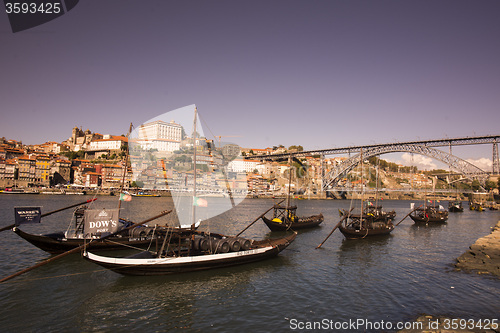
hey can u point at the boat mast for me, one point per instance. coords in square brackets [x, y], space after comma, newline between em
[289, 187]
[362, 190]
[194, 171]
[125, 167]
[376, 184]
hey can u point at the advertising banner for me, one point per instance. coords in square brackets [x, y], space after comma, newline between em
[101, 221]
[24, 215]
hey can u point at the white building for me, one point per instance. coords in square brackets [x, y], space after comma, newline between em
[160, 135]
[160, 144]
[108, 142]
[240, 165]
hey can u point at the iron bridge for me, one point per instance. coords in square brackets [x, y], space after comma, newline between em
[467, 169]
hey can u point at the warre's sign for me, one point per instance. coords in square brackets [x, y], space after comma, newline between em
[23, 215]
[101, 221]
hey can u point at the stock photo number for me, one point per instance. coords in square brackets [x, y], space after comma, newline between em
[33, 7]
[28, 14]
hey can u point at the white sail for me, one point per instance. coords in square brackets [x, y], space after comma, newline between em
[162, 150]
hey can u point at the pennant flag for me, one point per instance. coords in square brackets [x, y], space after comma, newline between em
[125, 197]
[200, 202]
[25, 215]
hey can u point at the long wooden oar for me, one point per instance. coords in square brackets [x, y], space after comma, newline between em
[258, 218]
[76, 249]
[408, 215]
[52, 212]
[335, 228]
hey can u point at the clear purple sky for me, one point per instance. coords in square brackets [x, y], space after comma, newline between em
[317, 73]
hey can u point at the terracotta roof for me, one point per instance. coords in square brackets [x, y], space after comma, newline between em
[42, 157]
[25, 157]
[113, 138]
[111, 166]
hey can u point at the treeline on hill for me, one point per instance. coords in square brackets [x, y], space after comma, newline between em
[390, 166]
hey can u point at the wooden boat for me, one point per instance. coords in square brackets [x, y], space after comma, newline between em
[56, 243]
[285, 218]
[455, 206]
[196, 251]
[372, 221]
[357, 226]
[477, 206]
[60, 242]
[429, 214]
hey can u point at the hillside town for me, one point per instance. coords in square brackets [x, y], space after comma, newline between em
[159, 155]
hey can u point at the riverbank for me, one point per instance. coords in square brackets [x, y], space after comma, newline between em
[484, 255]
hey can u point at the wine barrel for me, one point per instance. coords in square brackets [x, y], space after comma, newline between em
[218, 245]
[234, 244]
[245, 244]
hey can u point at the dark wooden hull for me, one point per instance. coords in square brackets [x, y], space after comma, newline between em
[353, 233]
[455, 206]
[56, 243]
[302, 223]
[260, 250]
[375, 217]
[429, 219]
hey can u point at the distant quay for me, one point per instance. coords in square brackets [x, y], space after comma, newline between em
[319, 196]
[368, 196]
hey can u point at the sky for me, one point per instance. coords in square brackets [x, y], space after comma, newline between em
[320, 74]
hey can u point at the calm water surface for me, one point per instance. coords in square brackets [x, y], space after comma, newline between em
[393, 278]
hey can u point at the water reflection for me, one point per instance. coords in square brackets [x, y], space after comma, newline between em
[170, 302]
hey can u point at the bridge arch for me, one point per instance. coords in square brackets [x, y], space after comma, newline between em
[468, 169]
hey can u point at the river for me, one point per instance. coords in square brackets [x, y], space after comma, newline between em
[394, 278]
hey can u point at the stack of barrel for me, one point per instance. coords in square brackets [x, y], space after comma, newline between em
[221, 245]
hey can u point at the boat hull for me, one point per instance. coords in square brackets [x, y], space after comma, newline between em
[352, 233]
[302, 223]
[456, 209]
[455, 206]
[429, 215]
[423, 219]
[171, 265]
[57, 243]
